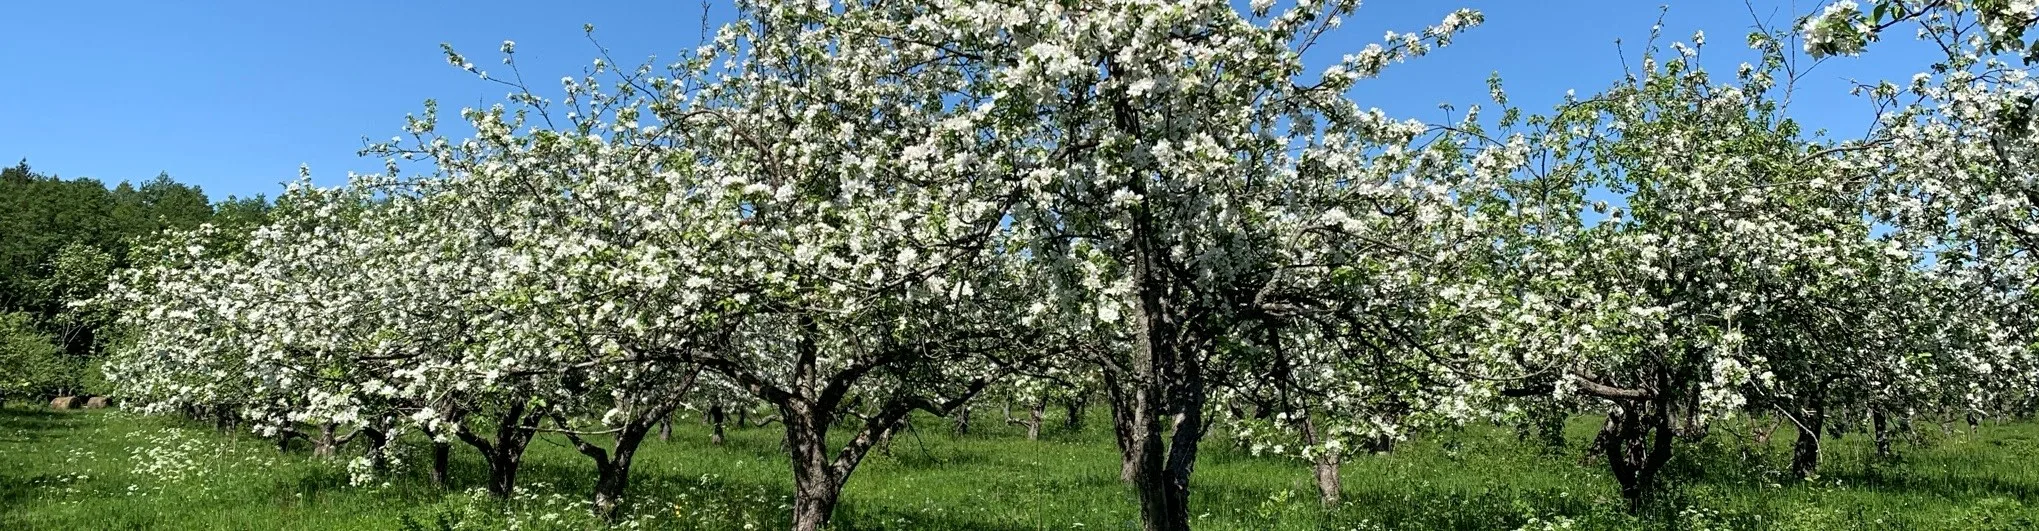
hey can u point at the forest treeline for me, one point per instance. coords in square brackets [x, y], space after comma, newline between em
[60, 241]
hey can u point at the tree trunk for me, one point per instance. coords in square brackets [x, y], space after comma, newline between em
[328, 442]
[612, 468]
[1034, 417]
[1882, 428]
[1122, 426]
[378, 448]
[505, 454]
[1325, 463]
[611, 480]
[1164, 471]
[962, 421]
[716, 418]
[1165, 458]
[283, 438]
[816, 482]
[1327, 478]
[1072, 417]
[442, 456]
[1805, 452]
[665, 429]
[1035, 411]
[222, 419]
[1637, 444]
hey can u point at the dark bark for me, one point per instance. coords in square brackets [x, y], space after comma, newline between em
[1122, 426]
[716, 418]
[612, 465]
[612, 468]
[1637, 442]
[223, 418]
[504, 454]
[818, 477]
[1805, 452]
[1072, 411]
[442, 457]
[1380, 444]
[378, 447]
[1167, 428]
[810, 400]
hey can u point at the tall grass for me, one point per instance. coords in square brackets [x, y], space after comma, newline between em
[111, 470]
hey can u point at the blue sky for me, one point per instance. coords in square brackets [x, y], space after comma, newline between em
[234, 95]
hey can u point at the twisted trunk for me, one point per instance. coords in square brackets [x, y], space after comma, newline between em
[1163, 456]
[1636, 444]
[505, 453]
[612, 465]
[612, 469]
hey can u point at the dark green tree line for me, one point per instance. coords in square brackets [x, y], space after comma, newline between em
[59, 241]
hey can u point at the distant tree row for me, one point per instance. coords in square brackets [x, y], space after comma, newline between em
[60, 240]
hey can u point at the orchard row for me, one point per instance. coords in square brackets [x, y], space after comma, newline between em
[857, 212]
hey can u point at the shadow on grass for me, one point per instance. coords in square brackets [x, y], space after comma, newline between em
[28, 425]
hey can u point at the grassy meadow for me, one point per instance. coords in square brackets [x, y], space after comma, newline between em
[114, 470]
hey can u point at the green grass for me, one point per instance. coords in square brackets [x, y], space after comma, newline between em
[110, 470]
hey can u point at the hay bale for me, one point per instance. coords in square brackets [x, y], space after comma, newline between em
[97, 402]
[67, 402]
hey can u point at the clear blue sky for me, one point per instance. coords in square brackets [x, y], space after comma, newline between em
[234, 95]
